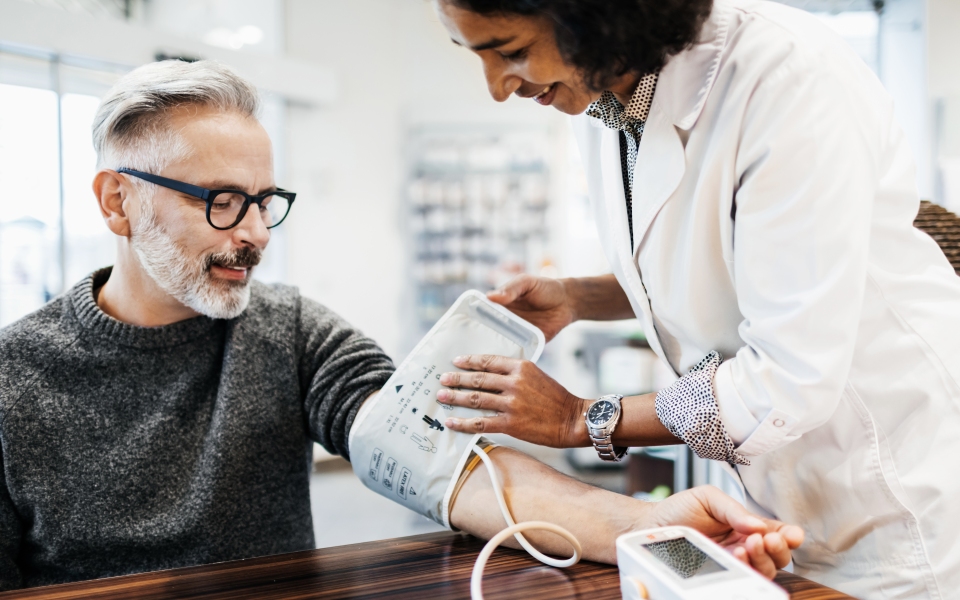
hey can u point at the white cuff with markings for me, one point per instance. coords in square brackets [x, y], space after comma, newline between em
[399, 446]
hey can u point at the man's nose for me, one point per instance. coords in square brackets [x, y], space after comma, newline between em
[500, 82]
[251, 230]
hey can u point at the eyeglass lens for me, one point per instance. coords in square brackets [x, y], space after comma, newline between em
[225, 209]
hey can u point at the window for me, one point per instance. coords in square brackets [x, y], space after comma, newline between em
[30, 200]
[51, 234]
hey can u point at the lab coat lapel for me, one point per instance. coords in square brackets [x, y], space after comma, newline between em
[660, 167]
[682, 90]
[615, 209]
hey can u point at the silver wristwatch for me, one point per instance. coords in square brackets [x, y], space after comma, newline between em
[602, 417]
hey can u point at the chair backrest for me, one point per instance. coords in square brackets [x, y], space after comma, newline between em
[944, 227]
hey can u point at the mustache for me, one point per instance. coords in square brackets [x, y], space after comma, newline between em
[244, 258]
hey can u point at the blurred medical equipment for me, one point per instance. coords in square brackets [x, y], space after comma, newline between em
[679, 563]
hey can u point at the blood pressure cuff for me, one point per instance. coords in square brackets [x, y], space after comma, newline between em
[399, 446]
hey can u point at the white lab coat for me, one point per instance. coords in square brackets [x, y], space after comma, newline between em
[773, 203]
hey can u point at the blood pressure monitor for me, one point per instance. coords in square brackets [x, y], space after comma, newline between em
[678, 563]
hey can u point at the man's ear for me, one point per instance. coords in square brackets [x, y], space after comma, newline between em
[112, 193]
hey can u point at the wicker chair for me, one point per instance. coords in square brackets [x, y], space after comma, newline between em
[944, 227]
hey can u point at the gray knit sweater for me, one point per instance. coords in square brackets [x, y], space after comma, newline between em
[128, 449]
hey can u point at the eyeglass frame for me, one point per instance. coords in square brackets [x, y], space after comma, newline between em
[208, 196]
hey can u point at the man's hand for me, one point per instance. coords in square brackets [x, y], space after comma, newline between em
[540, 300]
[529, 404]
[535, 492]
[764, 544]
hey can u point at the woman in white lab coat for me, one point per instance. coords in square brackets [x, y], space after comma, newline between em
[766, 246]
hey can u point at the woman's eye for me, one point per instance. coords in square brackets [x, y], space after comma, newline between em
[517, 55]
[221, 205]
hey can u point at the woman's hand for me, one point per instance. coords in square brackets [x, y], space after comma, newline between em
[544, 302]
[764, 544]
[530, 405]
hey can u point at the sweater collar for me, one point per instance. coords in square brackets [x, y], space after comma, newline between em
[98, 323]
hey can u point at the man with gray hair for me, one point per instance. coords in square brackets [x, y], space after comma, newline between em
[161, 413]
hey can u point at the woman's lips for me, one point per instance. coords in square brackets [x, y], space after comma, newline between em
[545, 97]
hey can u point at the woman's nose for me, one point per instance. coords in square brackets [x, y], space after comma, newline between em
[500, 82]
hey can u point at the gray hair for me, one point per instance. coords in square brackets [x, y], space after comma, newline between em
[129, 130]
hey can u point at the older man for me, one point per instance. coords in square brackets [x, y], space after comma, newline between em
[161, 413]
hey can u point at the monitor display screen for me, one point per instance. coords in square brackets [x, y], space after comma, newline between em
[684, 559]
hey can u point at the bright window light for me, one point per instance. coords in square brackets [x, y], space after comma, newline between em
[90, 245]
[30, 202]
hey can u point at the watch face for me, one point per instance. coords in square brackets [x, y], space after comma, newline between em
[601, 412]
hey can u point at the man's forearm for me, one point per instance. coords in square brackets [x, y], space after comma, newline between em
[598, 298]
[535, 492]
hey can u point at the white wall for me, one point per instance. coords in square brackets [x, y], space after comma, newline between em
[943, 49]
[903, 71]
[396, 67]
[943, 44]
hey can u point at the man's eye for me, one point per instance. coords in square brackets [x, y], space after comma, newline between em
[221, 205]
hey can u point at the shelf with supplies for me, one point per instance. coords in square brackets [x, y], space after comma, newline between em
[476, 211]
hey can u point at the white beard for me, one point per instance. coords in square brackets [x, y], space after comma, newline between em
[184, 277]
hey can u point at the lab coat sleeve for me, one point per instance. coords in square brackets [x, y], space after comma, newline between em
[339, 368]
[689, 410]
[807, 175]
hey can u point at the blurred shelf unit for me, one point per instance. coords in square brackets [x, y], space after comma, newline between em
[475, 212]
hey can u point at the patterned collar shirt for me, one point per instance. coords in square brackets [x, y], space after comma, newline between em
[630, 122]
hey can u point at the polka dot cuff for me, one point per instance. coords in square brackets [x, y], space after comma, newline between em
[689, 410]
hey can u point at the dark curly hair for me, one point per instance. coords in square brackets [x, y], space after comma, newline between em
[607, 39]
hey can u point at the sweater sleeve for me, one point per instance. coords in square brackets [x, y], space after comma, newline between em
[11, 533]
[339, 368]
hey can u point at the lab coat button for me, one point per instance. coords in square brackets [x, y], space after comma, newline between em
[778, 422]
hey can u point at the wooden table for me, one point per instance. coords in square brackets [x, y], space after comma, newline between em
[435, 566]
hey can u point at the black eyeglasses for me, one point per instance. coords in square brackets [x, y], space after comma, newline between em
[226, 208]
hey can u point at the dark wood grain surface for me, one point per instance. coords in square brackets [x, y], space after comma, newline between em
[435, 566]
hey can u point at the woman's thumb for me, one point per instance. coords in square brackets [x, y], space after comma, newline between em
[513, 289]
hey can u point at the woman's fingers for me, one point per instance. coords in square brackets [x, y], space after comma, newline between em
[493, 424]
[477, 380]
[472, 399]
[490, 363]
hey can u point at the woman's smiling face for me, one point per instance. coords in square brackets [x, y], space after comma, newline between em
[520, 56]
